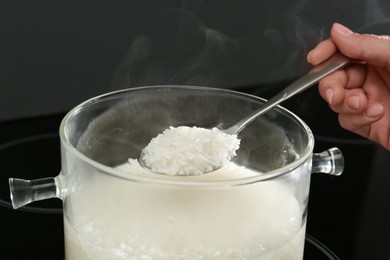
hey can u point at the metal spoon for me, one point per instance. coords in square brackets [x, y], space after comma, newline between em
[317, 73]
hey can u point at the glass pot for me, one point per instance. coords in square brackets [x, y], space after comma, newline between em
[253, 208]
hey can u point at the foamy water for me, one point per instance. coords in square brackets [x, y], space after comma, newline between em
[128, 220]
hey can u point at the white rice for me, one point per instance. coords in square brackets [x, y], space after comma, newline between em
[189, 151]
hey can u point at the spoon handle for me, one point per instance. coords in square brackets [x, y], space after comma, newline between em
[318, 72]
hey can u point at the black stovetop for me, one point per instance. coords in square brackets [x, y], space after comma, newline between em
[348, 215]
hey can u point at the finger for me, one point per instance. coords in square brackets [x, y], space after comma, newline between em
[385, 75]
[375, 86]
[360, 123]
[341, 99]
[355, 76]
[372, 49]
[351, 77]
[321, 52]
[332, 90]
[353, 102]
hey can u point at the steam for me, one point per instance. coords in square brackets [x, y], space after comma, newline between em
[132, 64]
[213, 54]
[293, 44]
[244, 44]
[193, 56]
[377, 13]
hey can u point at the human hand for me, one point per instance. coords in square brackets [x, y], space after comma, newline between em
[360, 93]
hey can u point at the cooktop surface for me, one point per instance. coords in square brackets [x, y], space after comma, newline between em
[348, 215]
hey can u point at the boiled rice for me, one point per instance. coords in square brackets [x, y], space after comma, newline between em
[189, 151]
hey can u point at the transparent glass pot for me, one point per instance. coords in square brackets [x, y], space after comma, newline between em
[254, 208]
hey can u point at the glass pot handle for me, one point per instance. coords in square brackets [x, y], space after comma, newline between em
[23, 192]
[330, 162]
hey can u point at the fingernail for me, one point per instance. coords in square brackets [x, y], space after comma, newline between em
[375, 110]
[329, 95]
[308, 57]
[342, 29]
[354, 102]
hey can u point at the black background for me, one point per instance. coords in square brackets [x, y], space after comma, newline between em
[55, 54]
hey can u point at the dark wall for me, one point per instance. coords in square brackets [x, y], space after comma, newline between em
[55, 54]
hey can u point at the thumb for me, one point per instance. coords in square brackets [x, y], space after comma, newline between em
[368, 48]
